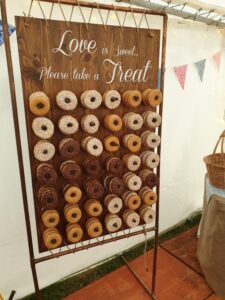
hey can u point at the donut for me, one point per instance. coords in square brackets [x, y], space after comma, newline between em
[72, 213]
[113, 122]
[151, 119]
[39, 103]
[132, 142]
[132, 98]
[131, 218]
[94, 188]
[148, 196]
[113, 203]
[150, 139]
[113, 222]
[132, 181]
[90, 124]
[150, 159]
[69, 148]
[92, 145]
[66, 100]
[111, 99]
[52, 238]
[93, 208]
[91, 99]
[113, 164]
[132, 162]
[115, 185]
[70, 170]
[44, 151]
[93, 227]
[43, 128]
[147, 214]
[133, 121]
[68, 125]
[111, 143]
[50, 218]
[92, 166]
[132, 200]
[149, 178]
[74, 233]
[48, 197]
[46, 174]
[152, 97]
[72, 193]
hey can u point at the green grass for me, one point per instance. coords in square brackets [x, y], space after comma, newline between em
[63, 288]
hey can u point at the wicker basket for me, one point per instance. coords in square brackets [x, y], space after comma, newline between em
[215, 164]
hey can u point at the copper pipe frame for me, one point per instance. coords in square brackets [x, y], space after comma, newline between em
[33, 260]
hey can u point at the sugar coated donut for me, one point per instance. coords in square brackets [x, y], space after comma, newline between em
[132, 162]
[150, 139]
[68, 125]
[132, 181]
[44, 151]
[39, 103]
[149, 178]
[113, 122]
[94, 188]
[90, 124]
[148, 196]
[50, 218]
[150, 159]
[151, 119]
[93, 227]
[113, 222]
[52, 238]
[72, 193]
[111, 143]
[70, 170]
[152, 97]
[92, 145]
[132, 200]
[93, 208]
[113, 164]
[132, 98]
[69, 148]
[72, 213]
[113, 203]
[92, 166]
[147, 214]
[91, 99]
[48, 197]
[74, 233]
[43, 128]
[132, 142]
[66, 100]
[131, 218]
[133, 121]
[112, 99]
[46, 174]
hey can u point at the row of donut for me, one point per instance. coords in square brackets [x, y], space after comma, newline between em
[113, 223]
[39, 102]
[44, 128]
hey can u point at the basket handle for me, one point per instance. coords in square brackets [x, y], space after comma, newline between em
[221, 139]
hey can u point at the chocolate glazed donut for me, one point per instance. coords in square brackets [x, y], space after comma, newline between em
[116, 186]
[69, 148]
[94, 188]
[152, 180]
[92, 166]
[46, 174]
[48, 197]
[70, 170]
[113, 165]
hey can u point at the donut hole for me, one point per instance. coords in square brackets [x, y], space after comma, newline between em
[136, 98]
[73, 195]
[113, 99]
[44, 127]
[75, 235]
[70, 149]
[53, 241]
[92, 123]
[45, 151]
[74, 215]
[95, 147]
[40, 105]
[67, 100]
[116, 122]
[93, 99]
[69, 124]
[51, 220]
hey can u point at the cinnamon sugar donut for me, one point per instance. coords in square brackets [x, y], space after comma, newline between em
[147, 214]
[131, 218]
[44, 151]
[151, 119]
[112, 99]
[113, 203]
[150, 159]
[132, 162]
[91, 99]
[90, 124]
[66, 100]
[132, 181]
[68, 125]
[133, 121]
[113, 222]
[150, 139]
[43, 128]
[92, 145]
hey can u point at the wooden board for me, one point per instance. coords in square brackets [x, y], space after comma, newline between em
[46, 48]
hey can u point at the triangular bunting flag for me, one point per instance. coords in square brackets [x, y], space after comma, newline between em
[181, 72]
[11, 30]
[217, 59]
[200, 66]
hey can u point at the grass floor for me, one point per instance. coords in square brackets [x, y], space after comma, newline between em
[63, 288]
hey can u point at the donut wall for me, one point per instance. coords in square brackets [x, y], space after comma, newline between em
[91, 104]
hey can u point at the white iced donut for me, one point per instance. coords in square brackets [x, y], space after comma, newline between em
[90, 124]
[113, 222]
[150, 139]
[132, 181]
[112, 99]
[92, 145]
[43, 128]
[113, 203]
[147, 214]
[132, 162]
[44, 151]
[151, 119]
[91, 99]
[68, 125]
[66, 100]
[133, 121]
[150, 159]
[131, 218]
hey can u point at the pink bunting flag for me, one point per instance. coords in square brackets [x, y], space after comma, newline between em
[217, 59]
[181, 72]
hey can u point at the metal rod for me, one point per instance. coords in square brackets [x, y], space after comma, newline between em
[138, 278]
[18, 142]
